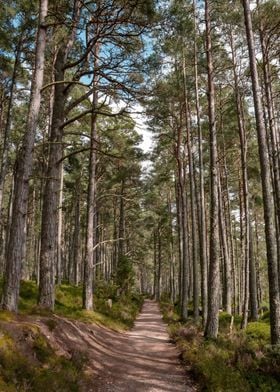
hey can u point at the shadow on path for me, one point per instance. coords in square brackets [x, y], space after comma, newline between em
[142, 360]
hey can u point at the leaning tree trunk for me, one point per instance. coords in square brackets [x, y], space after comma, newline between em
[212, 325]
[268, 202]
[23, 171]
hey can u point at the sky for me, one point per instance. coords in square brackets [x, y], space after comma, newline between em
[141, 127]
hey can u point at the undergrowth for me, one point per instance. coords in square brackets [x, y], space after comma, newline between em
[69, 304]
[47, 370]
[237, 361]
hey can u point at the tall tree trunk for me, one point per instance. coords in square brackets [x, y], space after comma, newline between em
[51, 195]
[252, 279]
[184, 231]
[76, 237]
[171, 251]
[159, 256]
[245, 190]
[226, 257]
[23, 172]
[155, 263]
[212, 325]
[60, 229]
[201, 209]
[180, 237]
[121, 242]
[272, 130]
[91, 230]
[268, 202]
[7, 130]
[195, 280]
[91, 233]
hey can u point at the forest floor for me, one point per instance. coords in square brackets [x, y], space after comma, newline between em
[72, 355]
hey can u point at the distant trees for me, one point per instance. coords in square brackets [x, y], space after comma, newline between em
[213, 92]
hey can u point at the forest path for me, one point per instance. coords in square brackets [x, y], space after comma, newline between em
[144, 360]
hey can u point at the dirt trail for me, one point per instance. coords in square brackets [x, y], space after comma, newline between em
[144, 360]
[141, 360]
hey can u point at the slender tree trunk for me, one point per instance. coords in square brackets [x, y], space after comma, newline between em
[121, 222]
[201, 209]
[180, 239]
[172, 253]
[91, 233]
[60, 230]
[155, 263]
[212, 325]
[7, 130]
[185, 239]
[76, 237]
[227, 264]
[195, 280]
[245, 190]
[23, 172]
[91, 230]
[159, 256]
[272, 130]
[252, 279]
[268, 202]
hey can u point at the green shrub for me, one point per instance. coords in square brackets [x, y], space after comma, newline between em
[258, 330]
[239, 361]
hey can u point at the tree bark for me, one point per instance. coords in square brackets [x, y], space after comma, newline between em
[195, 280]
[23, 171]
[201, 209]
[7, 130]
[268, 202]
[91, 201]
[51, 195]
[212, 325]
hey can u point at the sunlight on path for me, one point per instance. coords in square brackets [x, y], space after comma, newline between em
[147, 361]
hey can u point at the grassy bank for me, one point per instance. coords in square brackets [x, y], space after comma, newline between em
[69, 304]
[27, 360]
[37, 367]
[237, 361]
